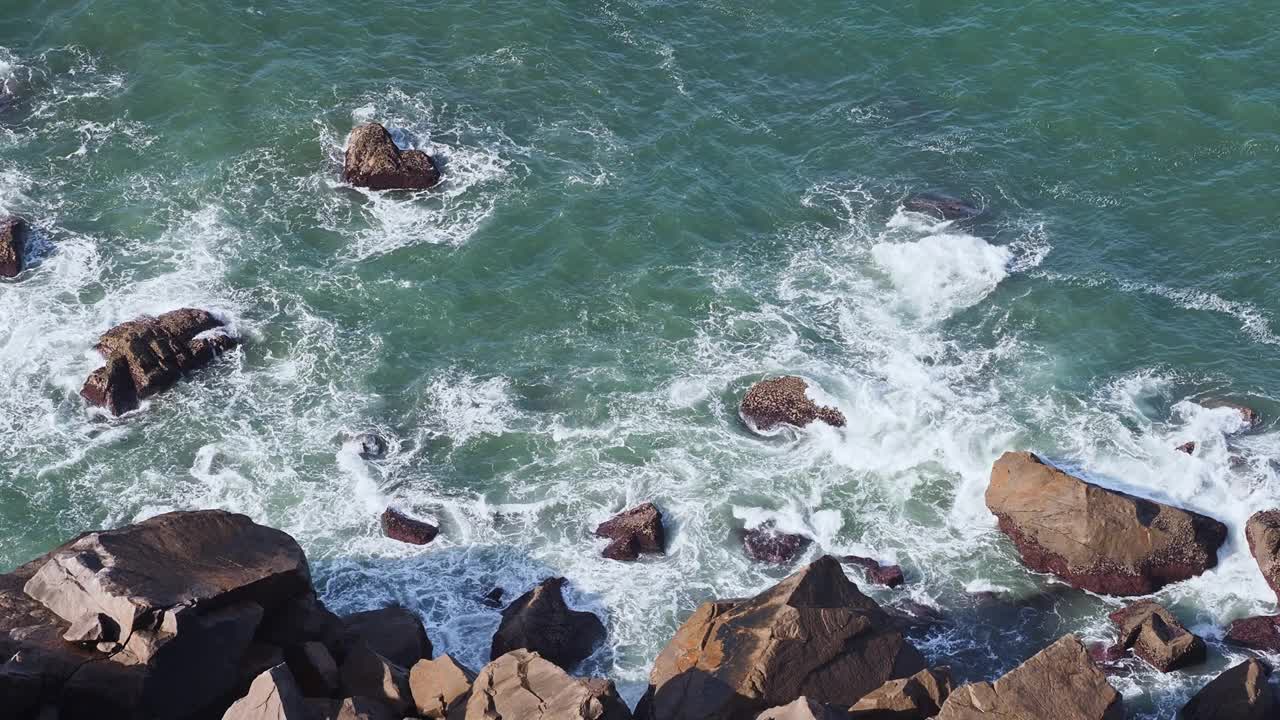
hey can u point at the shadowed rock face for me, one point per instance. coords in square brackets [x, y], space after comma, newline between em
[941, 206]
[541, 622]
[1157, 637]
[520, 685]
[1059, 682]
[13, 233]
[373, 161]
[1263, 532]
[915, 698]
[1241, 693]
[813, 634]
[783, 401]
[1097, 539]
[634, 531]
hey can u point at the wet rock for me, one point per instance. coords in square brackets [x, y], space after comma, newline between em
[13, 236]
[1187, 447]
[150, 354]
[887, 575]
[1094, 538]
[520, 685]
[440, 687]
[802, 708]
[1251, 418]
[813, 634]
[1106, 653]
[394, 633]
[767, 544]
[398, 526]
[918, 697]
[273, 696]
[1157, 637]
[941, 206]
[365, 673]
[1241, 693]
[494, 597]
[1263, 533]
[314, 669]
[539, 621]
[634, 531]
[1059, 682]
[783, 400]
[1259, 633]
[370, 446]
[373, 161]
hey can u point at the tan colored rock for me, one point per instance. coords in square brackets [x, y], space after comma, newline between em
[365, 673]
[440, 686]
[520, 685]
[918, 697]
[1241, 693]
[802, 708]
[13, 233]
[1263, 533]
[374, 161]
[783, 400]
[273, 696]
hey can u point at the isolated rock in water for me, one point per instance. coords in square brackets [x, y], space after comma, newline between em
[1157, 637]
[941, 206]
[494, 597]
[273, 696]
[887, 575]
[1241, 693]
[150, 354]
[1259, 633]
[767, 544]
[398, 526]
[1263, 533]
[813, 634]
[541, 622]
[365, 673]
[918, 697]
[783, 400]
[520, 685]
[1187, 447]
[1060, 682]
[440, 686]
[13, 235]
[634, 531]
[802, 708]
[1094, 538]
[1252, 418]
[394, 633]
[370, 446]
[373, 161]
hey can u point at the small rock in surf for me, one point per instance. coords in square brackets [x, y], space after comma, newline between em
[782, 400]
[373, 161]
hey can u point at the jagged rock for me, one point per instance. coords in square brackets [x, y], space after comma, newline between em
[370, 446]
[1187, 447]
[1258, 633]
[273, 696]
[440, 686]
[1263, 533]
[941, 206]
[303, 618]
[1251, 418]
[1094, 538]
[13, 235]
[887, 575]
[813, 634]
[365, 673]
[1157, 637]
[783, 400]
[802, 708]
[521, 685]
[150, 354]
[314, 669]
[634, 531]
[395, 633]
[374, 161]
[918, 697]
[1241, 693]
[767, 544]
[1059, 682]
[398, 526]
[494, 597]
[541, 622]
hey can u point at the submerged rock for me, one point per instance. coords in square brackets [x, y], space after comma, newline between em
[370, 446]
[541, 622]
[398, 526]
[150, 354]
[1259, 633]
[13, 236]
[887, 575]
[1241, 693]
[941, 206]
[373, 161]
[1097, 539]
[769, 545]
[1263, 533]
[1157, 637]
[918, 697]
[521, 685]
[813, 634]
[783, 400]
[634, 531]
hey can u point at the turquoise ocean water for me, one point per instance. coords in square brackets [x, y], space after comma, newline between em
[647, 207]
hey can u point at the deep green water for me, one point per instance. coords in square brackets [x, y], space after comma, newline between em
[648, 206]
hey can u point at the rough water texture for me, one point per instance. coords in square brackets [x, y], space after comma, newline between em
[645, 208]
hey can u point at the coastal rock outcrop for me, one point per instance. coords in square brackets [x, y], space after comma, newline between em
[783, 400]
[1097, 539]
[539, 621]
[632, 532]
[813, 634]
[373, 161]
[1157, 637]
[521, 685]
[1240, 693]
[440, 687]
[1059, 682]
[13, 235]
[943, 207]
[768, 544]
[398, 526]
[886, 575]
[918, 697]
[1263, 533]
[150, 354]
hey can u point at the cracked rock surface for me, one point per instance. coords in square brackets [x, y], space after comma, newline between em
[521, 685]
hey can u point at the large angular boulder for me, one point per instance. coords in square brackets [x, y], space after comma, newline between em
[440, 686]
[813, 634]
[520, 685]
[783, 400]
[373, 161]
[1241, 693]
[398, 526]
[1059, 682]
[150, 354]
[1259, 633]
[1156, 636]
[1097, 539]
[314, 669]
[918, 697]
[802, 708]
[632, 532]
[395, 633]
[541, 622]
[13, 233]
[1263, 533]
[273, 696]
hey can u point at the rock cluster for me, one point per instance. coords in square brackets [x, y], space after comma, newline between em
[1156, 636]
[920, 696]
[373, 161]
[632, 532]
[13, 233]
[783, 400]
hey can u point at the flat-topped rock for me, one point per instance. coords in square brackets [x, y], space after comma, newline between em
[918, 697]
[1259, 633]
[784, 401]
[373, 161]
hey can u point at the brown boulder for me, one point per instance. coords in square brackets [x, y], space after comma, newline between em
[398, 526]
[1097, 539]
[273, 696]
[440, 686]
[1241, 693]
[813, 634]
[541, 622]
[373, 161]
[13, 235]
[150, 354]
[1263, 533]
[782, 400]
[802, 708]
[365, 673]
[395, 633]
[1157, 637]
[520, 685]
[887, 575]
[634, 531]
[918, 697]
[769, 545]
[1258, 633]
[1059, 682]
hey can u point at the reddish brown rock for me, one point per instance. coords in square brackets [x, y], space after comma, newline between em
[373, 161]
[1241, 693]
[918, 697]
[365, 673]
[13, 234]
[539, 621]
[767, 544]
[1258, 633]
[813, 634]
[632, 532]
[440, 687]
[887, 575]
[394, 633]
[1094, 538]
[1157, 637]
[398, 526]
[520, 685]
[943, 207]
[783, 400]
[1263, 533]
